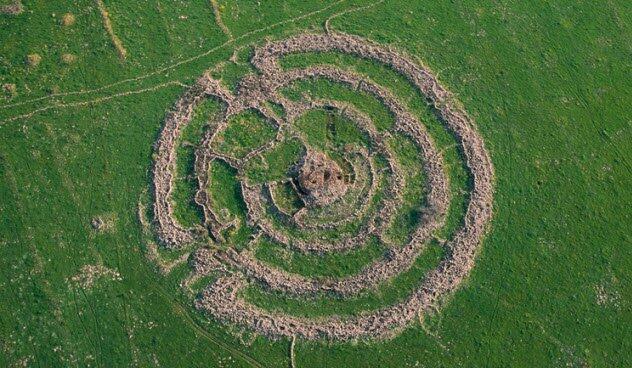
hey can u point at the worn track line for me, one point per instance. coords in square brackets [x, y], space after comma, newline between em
[90, 102]
[218, 19]
[107, 24]
[181, 62]
[181, 310]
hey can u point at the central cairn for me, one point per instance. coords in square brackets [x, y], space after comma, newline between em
[364, 185]
[321, 180]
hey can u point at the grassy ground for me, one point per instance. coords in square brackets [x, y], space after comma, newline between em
[547, 82]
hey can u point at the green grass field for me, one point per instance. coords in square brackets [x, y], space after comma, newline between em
[548, 84]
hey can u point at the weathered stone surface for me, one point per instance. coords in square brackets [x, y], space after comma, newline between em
[321, 179]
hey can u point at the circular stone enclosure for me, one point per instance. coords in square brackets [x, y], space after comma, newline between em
[335, 189]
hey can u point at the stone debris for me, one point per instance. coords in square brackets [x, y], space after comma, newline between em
[15, 8]
[89, 274]
[103, 223]
[320, 179]
[97, 223]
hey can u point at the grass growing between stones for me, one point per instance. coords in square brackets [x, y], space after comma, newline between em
[394, 291]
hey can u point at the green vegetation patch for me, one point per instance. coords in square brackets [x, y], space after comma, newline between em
[390, 293]
[329, 265]
[186, 211]
[244, 132]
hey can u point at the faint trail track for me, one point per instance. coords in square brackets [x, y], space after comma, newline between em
[345, 12]
[182, 311]
[218, 19]
[122, 53]
[179, 63]
[107, 24]
[91, 102]
[292, 354]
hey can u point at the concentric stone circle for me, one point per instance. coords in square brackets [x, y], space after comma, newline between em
[238, 268]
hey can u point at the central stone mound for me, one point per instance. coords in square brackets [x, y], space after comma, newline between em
[321, 179]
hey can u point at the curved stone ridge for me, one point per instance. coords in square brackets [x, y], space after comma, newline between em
[322, 183]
